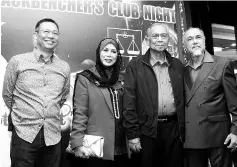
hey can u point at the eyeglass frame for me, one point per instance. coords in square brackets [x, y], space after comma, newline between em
[47, 32]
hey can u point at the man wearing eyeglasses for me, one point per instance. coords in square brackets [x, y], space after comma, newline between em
[154, 103]
[36, 84]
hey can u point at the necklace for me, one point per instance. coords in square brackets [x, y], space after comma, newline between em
[115, 102]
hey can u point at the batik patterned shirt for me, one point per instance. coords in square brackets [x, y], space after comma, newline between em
[34, 90]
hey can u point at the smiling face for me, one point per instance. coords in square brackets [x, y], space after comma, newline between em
[194, 42]
[47, 36]
[158, 38]
[108, 55]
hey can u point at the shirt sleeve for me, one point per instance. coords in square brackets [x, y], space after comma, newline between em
[130, 114]
[9, 83]
[66, 88]
[80, 111]
[230, 91]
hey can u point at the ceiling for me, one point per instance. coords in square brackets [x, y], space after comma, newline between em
[223, 12]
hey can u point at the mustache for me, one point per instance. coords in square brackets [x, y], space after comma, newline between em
[195, 46]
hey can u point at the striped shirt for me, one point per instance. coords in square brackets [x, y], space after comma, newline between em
[166, 104]
[34, 91]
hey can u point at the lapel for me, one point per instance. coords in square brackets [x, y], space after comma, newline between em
[187, 78]
[187, 83]
[203, 73]
[106, 95]
[187, 92]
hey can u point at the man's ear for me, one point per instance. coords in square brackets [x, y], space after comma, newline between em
[147, 40]
[169, 39]
[34, 39]
[35, 35]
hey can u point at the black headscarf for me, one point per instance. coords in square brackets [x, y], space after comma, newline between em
[103, 79]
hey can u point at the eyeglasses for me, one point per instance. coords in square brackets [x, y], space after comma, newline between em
[161, 35]
[47, 32]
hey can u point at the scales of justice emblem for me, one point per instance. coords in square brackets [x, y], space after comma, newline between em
[132, 49]
[130, 42]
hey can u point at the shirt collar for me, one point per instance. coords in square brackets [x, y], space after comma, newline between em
[154, 61]
[39, 55]
[207, 58]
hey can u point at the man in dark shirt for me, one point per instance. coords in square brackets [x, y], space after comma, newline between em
[154, 103]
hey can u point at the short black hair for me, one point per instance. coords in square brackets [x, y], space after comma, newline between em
[45, 20]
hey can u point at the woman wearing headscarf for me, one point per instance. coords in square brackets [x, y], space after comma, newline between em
[97, 107]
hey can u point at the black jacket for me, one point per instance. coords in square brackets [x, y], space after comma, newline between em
[141, 96]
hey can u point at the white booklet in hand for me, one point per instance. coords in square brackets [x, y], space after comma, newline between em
[95, 144]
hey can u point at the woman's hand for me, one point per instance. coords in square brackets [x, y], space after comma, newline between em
[82, 152]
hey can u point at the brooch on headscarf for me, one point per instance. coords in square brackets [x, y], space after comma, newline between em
[97, 83]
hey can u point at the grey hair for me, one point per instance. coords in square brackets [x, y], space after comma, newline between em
[157, 24]
[184, 35]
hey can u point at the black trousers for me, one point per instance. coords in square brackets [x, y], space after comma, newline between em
[119, 161]
[66, 158]
[164, 151]
[36, 154]
[219, 157]
[234, 155]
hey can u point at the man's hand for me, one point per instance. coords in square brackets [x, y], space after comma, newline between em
[69, 149]
[135, 145]
[82, 152]
[232, 140]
